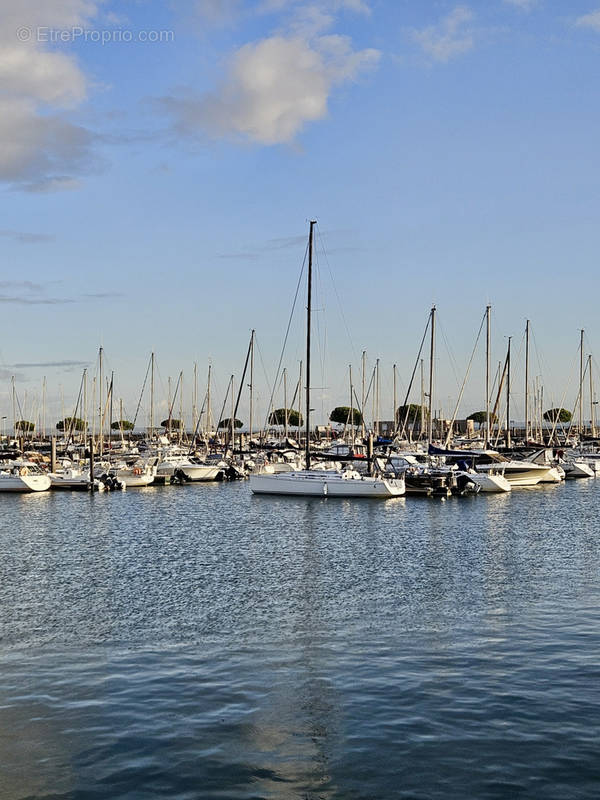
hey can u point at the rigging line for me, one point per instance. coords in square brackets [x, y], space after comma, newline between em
[72, 421]
[449, 351]
[337, 296]
[574, 367]
[287, 332]
[408, 391]
[462, 388]
[142, 392]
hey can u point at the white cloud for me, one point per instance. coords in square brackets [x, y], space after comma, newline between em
[39, 148]
[451, 37]
[591, 20]
[273, 89]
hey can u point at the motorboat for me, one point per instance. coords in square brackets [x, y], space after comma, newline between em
[22, 476]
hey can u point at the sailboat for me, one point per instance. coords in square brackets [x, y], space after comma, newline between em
[322, 482]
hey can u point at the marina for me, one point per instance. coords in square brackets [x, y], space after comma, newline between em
[202, 641]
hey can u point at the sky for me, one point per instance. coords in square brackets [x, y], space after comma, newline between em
[160, 163]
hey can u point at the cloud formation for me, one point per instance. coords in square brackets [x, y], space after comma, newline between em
[591, 20]
[273, 88]
[40, 148]
[450, 37]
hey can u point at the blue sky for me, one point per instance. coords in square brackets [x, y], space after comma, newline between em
[156, 194]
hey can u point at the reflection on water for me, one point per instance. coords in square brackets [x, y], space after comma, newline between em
[195, 642]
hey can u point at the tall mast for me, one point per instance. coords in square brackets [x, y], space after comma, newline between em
[592, 422]
[395, 398]
[100, 409]
[431, 364]
[151, 396]
[487, 375]
[251, 385]
[308, 323]
[299, 402]
[181, 427]
[112, 375]
[508, 394]
[362, 397]
[422, 421]
[351, 405]
[232, 419]
[85, 406]
[581, 385]
[195, 398]
[285, 408]
[527, 382]
[377, 387]
[14, 405]
[208, 409]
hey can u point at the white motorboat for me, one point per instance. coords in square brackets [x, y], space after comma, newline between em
[488, 481]
[135, 477]
[22, 476]
[517, 473]
[74, 479]
[326, 483]
[577, 469]
[188, 468]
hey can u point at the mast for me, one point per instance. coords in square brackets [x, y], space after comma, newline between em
[592, 422]
[395, 398]
[85, 406]
[208, 409]
[100, 410]
[377, 388]
[431, 364]
[299, 403]
[285, 408]
[527, 382]
[487, 376]
[308, 323]
[195, 398]
[112, 375]
[581, 385]
[422, 419]
[14, 405]
[151, 396]
[362, 398]
[181, 427]
[251, 385]
[351, 405]
[508, 394]
[232, 419]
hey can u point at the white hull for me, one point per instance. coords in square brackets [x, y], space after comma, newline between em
[519, 473]
[325, 483]
[555, 475]
[200, 472]
[24, 483]
[489, 483]
[193, 472]
[132, 481]
[578, 469]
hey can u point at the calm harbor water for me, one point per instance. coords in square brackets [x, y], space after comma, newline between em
[198, 642]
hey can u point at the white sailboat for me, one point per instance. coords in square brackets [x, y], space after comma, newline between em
[319, 482]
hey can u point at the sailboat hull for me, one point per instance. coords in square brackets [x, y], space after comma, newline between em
[325, 483]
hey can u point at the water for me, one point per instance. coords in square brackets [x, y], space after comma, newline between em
[198, 642]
